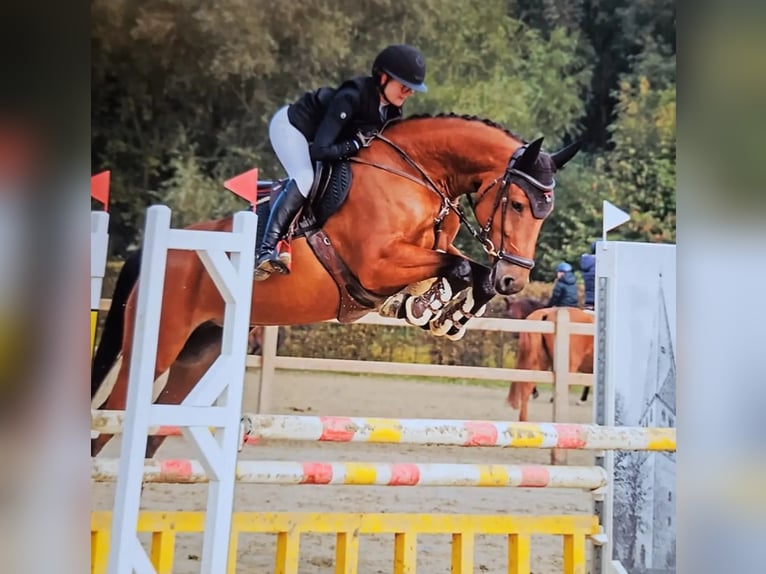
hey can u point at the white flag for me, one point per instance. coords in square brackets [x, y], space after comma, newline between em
[613, 217]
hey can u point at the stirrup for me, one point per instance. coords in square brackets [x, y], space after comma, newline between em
[264, 265]
[284, 254]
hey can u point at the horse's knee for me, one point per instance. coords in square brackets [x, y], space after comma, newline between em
[459, 274]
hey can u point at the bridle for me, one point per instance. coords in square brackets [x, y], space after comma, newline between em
[539, 194]
[532, 188]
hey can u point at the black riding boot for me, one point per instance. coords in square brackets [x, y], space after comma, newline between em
[284, 210]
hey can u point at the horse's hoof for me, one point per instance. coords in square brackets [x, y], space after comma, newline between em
[391, 306]
[456, 333]
[418, 311]
[421, 309]
[440, 328]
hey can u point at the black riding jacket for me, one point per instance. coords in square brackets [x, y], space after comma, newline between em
[330, 118]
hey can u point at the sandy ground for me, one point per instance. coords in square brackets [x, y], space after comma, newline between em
[325, 394]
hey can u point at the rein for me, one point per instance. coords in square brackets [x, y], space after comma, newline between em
[454, 205]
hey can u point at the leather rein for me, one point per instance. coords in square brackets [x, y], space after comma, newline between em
[501, 199]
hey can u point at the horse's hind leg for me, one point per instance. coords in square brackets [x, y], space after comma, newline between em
[171, 341]
[200, 351]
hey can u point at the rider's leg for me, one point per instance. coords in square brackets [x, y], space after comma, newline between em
[292, 150]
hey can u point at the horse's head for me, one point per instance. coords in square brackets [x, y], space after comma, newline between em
[511, 210]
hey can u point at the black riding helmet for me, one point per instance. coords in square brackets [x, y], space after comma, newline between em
[404, 64]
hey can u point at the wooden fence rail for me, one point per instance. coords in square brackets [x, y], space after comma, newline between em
[559, 377]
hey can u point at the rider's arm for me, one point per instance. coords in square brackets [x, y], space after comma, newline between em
[339, 113]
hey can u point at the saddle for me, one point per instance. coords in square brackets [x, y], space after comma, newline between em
[332, 182]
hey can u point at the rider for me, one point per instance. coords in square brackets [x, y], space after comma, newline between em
[323, 125]
[565, 290]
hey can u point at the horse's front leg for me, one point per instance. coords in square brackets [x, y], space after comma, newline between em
[452, 321]
[431, 304]
[411, 265]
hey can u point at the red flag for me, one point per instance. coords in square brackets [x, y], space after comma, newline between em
[245, 185]
[99, 188]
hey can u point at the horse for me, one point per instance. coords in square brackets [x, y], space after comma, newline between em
[536, 353]
[203, 343]
[390, 242]
[520, 308]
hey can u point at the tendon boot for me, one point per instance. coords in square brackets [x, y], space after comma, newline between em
[284, 210]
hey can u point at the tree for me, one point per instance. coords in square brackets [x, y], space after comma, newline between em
[640, 172]
[183, 90]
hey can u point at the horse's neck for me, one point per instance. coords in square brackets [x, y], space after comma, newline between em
[459, 153]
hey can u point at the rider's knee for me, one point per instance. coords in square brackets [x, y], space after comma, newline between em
[304, 180]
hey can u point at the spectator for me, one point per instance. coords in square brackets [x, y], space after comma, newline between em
[565, 290]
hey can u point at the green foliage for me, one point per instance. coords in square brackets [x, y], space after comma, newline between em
[400, 344]
[640, 172]
[575, 221]
[489, 64]
[183, 90]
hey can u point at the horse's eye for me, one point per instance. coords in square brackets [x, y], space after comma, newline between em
[517, 206]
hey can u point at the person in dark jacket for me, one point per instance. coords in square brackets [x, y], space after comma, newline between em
[588, 269]
[325, 125]
[565, 290]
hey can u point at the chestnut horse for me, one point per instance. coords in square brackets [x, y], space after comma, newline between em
[536, 353]
[520, 308]
[392, 234]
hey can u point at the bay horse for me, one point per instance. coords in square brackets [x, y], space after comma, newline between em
[520, 308]
[392, 239]
[536, 354]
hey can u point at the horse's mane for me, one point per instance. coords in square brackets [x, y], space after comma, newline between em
[466, 117]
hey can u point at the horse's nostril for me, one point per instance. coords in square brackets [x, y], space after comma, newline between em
[507, 281]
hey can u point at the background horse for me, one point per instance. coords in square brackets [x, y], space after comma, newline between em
[394, 230]
[520, 308]
[536, 353]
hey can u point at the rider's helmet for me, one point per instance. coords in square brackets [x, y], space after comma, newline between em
[404, 64]
[564, 266]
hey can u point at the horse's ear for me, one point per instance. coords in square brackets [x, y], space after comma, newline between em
[527, 161]
[561, 157]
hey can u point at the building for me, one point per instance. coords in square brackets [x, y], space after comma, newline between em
[655, 546]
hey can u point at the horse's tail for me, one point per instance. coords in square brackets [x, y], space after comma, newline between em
[531, 355]
[111, 338]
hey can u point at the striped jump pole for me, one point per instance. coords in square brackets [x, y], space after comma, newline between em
[446, 432]
[457, 433]
[99, 245]
[368, 474]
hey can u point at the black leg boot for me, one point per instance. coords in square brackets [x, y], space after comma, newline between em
[282, 213]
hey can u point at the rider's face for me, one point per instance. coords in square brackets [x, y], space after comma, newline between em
[395, 91]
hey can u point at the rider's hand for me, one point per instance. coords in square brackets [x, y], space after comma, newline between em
[350, 147]
[365, 138]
